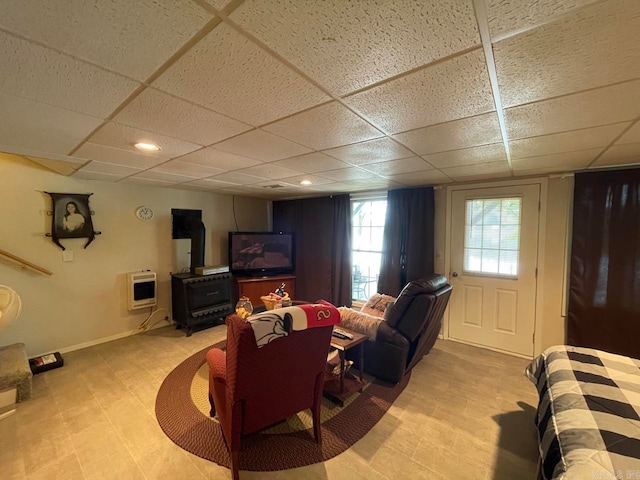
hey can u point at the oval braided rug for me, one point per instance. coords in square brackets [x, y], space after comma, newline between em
[182, 412]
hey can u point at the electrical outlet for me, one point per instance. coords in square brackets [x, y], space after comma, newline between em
[67, 256]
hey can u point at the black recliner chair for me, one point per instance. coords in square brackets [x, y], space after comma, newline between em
[411, 328]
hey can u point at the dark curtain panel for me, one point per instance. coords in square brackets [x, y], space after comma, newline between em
[604, 293]
[323, 245]
[407, 245]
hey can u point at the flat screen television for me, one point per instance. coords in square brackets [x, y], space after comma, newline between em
[261, 253]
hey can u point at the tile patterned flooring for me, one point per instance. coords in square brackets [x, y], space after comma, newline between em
[467, 413]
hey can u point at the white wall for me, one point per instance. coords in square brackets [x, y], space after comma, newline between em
[84, 301]
[559, 200]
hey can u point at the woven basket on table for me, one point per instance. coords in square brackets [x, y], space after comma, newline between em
[270, 303]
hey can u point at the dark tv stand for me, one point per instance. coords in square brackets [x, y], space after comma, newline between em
[255, 287]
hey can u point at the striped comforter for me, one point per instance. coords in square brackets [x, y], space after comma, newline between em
[589, 414]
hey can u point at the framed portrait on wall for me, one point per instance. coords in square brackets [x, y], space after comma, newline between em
[71, 217]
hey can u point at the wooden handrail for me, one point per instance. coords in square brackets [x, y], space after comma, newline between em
[26, 263]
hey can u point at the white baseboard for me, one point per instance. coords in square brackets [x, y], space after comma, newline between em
[98, 341]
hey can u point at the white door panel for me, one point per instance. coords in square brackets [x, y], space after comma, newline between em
[494, 249]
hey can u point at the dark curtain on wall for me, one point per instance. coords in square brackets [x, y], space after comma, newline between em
[604, 293]
[407, 245]
[323, 245]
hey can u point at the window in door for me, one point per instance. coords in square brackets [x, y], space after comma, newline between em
[492, 236]
[368, 216]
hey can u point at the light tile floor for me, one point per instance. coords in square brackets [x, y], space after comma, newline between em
[467, 413]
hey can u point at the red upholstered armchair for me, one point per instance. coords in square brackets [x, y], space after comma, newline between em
[251, 388]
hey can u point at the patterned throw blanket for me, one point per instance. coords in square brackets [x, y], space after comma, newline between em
[274, 324]
[589, 414]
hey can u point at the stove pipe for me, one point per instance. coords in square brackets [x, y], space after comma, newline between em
[196, 230]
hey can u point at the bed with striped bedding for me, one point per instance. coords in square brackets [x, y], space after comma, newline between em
[588, 415]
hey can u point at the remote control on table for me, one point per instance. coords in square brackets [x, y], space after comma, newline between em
[337, 332]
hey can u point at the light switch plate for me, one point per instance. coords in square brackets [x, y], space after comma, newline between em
[67, 256]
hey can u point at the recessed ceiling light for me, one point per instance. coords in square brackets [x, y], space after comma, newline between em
[147, 147]
[306, 182]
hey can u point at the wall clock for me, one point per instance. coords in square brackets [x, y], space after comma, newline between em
[144, 213]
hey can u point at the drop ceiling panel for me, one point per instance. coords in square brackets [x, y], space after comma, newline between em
[212, 184]
[110, 168]
[59, 166]
[557, 162]
[602, 106]
[44, 75]
[597, 46]
[312, 163]
[231, 75]
[430, 177]
[262, 146]
[124, 137]
[36, 126]
[512, 15]
[218, 4]
[148, 182]
[314, 179]
[327, 126]
[372, 151]
[210, 157]
[396, 167]
[567, 141]
[632, 135]
[103, 177]
[163, 176]
[102, 153]
[238, 178]
[190, 169]
[450, 90]
[463, 133]
[479, 171]
[346, 46]
[159, 112]
[626, 154]
[347, 174]
[270, 171]
[468, 156]
[132, 38]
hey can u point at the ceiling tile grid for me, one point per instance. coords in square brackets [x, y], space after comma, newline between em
[211, 157]
[103, 153]
[131, 38]
[507, 16]
[467, 156]
[346, 46]
[238, 178]
[479, 171]
[262, 146]
[163, 176]
[347, 174]
[466, 132]
[158, 112]
[557, 162]
[36, 126]
[429, 177]
[110, 168]
[396, 167]
[231, 75]
[44, 75]
[597, 46]
[270, 171]
[616, 103]
[312, 163]
[103, 177]
[450, 90]
[624, 154]
[632, 135]
[190, 169]
[323, 127]
[583, 139]
[372, 151]
[123, 137]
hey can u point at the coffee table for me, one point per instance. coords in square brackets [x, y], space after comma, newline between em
[341, 388]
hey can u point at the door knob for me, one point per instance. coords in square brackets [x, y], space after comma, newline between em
[454, 274]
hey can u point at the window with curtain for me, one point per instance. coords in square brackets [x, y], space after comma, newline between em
[367, 220]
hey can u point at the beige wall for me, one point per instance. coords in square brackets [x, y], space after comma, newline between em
[559, 199]
[84, 301]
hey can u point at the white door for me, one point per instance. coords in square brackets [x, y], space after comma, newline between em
[494, 251]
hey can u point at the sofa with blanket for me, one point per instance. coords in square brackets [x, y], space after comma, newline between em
[401, 331]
